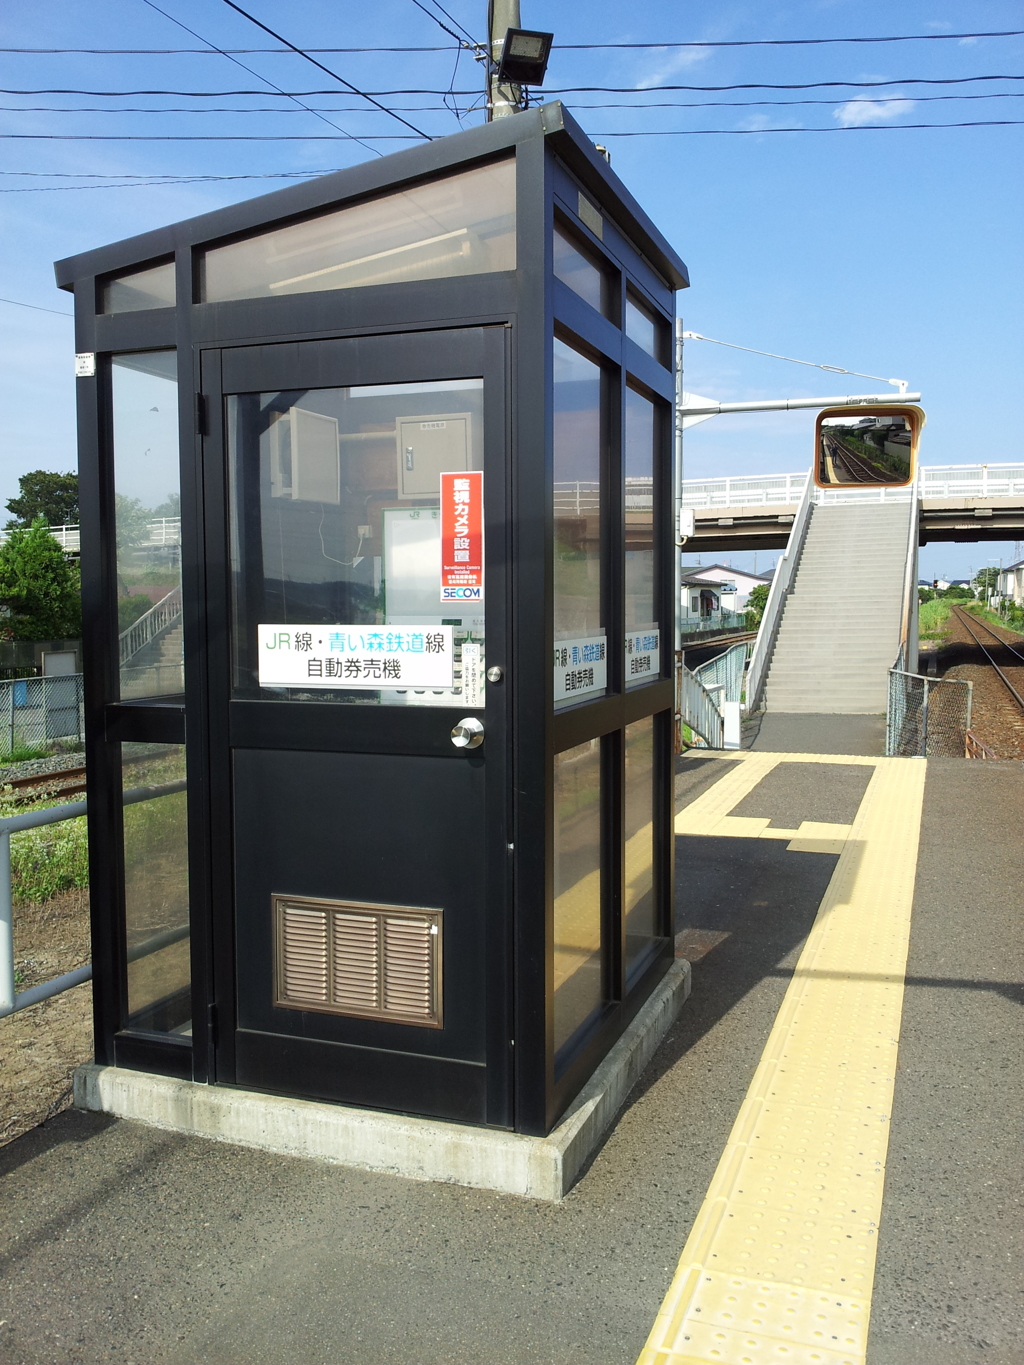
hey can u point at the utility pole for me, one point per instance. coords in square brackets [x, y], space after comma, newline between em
[501, 99]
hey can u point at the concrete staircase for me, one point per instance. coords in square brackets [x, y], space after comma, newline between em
[156, 669]
[840, 626]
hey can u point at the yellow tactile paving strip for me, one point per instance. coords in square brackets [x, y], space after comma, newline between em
[780, 1261]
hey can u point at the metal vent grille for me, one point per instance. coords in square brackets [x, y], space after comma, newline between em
[368, 961]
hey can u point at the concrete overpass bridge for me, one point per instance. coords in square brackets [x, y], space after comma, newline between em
[955, 503]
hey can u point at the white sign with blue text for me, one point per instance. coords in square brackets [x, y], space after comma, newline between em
[643, 654]
[581, 666]
[356, 656]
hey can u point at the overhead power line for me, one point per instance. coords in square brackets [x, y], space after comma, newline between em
[835, 128]
[326, 69]
[433, 108]
[773, 355]
[565, 47]
[561, 90]
[314, 112]
[192, 137]
[466, 35]
[56, 311]
[764, 85]
[402, 137]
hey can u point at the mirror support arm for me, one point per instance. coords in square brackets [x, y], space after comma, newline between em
[788, 404]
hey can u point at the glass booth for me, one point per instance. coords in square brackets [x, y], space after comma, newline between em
[377, 580]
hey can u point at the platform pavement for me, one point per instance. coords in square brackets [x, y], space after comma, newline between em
[130, 1245]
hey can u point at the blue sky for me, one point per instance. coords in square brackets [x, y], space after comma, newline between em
[887, 250]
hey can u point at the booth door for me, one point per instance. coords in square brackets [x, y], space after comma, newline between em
[360, 948]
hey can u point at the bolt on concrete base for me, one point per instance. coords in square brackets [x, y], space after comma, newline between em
[419, 1149]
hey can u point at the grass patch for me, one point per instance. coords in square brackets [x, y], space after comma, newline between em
[47, 861]
[934, 619]
[976, 609]
[22, 753]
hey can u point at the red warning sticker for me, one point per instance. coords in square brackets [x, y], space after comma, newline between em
[462, 536]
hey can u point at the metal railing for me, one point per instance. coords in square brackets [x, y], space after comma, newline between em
[34, 711]
[577, 497]
[159, 531]
[927, 717]
[12, 1000]
[785, 570]
[149, 625]
[712, 624]
[726, 671]
[971, 480]
[702, 693]
[785, 490]
[698, 708]
[761, 490]
[909, 607]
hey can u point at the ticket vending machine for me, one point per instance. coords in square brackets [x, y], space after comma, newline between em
[377, 557]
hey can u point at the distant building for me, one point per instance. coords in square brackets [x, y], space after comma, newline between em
[700, 598]
[734, 586]
[1010, 583]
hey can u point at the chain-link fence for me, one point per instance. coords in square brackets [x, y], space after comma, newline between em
[36, 711]
[726, 671]
[927, 717]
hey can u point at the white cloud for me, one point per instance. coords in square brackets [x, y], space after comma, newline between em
[672, 64]
[760, 123]
[856, 113]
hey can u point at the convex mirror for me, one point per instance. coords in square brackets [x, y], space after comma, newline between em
[869, 445]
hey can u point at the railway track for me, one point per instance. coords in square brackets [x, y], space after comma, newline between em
[969, 623]
[66, 782]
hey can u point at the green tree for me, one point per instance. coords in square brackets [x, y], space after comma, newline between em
[756, 603]
[131, 521]
[40, 588]
[986, 580]
[758, 599]
[54, 497]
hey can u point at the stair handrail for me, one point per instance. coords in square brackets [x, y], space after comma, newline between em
[149, 625]
[785, 570]
[908, 614]
[699, 709]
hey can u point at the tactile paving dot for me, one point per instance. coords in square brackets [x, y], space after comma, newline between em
[783, 1312]
[706, 1344]
[828, 1134]
[818, 1253]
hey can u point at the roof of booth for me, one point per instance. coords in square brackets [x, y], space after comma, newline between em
[552, 122]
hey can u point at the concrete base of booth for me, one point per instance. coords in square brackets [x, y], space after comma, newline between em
[420, 1149]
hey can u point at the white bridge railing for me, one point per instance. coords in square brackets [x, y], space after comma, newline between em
[785, 490]
[159, 531]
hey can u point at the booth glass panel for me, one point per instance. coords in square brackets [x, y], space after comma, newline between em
[578, 269]
[357, 544]
[463, 224]
[643, 657]
[156, 887]
[645, 328]
[638, 906]
[147, 523]
[141, 290]
[578, 955]
[579, 629]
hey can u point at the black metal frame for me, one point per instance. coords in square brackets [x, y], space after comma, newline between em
[555, 162]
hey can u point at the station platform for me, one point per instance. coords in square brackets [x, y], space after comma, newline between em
[821, 1164]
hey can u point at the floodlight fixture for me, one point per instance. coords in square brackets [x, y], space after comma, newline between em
[524, 57]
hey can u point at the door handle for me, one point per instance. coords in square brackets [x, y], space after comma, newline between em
[408, 457]
[468, 734]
